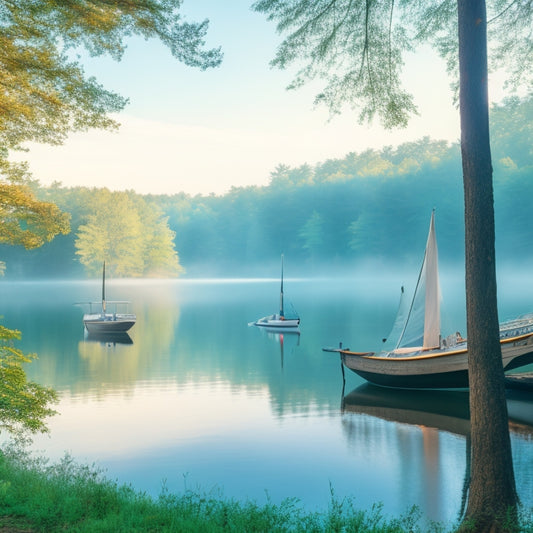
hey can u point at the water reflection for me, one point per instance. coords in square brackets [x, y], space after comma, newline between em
[286, 339]
[109, 339]
[444, 410]
[199, 393]
[423, 454]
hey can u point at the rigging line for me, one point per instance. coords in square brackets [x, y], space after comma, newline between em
[412, 301]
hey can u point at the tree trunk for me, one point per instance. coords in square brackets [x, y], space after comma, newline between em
[492, 487]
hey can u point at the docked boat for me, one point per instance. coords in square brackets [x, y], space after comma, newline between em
[279, 321]
[104, 322]
[421, 357]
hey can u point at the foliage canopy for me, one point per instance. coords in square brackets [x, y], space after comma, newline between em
[357, 48]
[45, 91]
[26, 220]
[129, 234]
[23, 404]
[365, 202]
[46, 94]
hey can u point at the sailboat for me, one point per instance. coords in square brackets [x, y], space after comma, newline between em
[279, 320]
[421, 357]
[104, 322]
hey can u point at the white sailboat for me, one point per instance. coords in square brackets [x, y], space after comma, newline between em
[279, 321]
[105, 322]
[421, 358]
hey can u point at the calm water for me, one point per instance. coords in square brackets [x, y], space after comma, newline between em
[199, 400]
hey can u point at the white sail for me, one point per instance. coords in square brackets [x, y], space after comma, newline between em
[390, 342]
[432, 307]
[422, 323]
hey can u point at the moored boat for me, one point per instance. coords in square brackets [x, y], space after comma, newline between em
[108, 322]
[421, 357]
[278, 321]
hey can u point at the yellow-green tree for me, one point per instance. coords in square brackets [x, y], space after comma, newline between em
[159, 254]
[45, 95]
[27, 221]
[131, 235]
[24, 405]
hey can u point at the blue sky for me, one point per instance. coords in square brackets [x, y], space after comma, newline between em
[204, 132]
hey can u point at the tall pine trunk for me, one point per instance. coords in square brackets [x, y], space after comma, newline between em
[492, 486]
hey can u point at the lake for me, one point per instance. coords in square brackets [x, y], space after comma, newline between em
[198, 399]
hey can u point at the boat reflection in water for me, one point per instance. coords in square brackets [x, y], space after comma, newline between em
[288, 336]
[108, 339]
[423, 455]
[440, 409]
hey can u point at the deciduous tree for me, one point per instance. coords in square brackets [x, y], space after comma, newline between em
[26, 221]
[312, 234]
[24, 405]
[129, 234]
[45, 92]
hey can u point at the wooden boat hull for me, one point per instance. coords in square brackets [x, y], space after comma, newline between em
[436, 369]
[108, 323]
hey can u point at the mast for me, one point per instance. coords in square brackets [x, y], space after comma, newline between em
[281, 314]
[103, 290]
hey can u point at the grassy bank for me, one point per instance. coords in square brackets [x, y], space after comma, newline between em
[37, 496]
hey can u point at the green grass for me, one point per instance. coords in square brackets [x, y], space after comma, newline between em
[37, 496]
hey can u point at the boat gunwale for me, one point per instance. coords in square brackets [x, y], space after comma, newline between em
[109, 317]
[279, 323]
[371, 355]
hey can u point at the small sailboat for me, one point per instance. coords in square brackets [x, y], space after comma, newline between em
[104, 322]
[279, 320]
[421, 358]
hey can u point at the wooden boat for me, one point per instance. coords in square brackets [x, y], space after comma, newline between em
[279, 321]
[104, 322]
[423, 359]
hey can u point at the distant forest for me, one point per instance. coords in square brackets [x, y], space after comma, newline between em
[368, 206]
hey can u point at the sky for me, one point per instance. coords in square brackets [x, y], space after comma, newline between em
[203, 132]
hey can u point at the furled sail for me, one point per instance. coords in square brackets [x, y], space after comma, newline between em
[281, 310]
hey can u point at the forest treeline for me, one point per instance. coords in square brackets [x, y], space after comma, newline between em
[368, 206]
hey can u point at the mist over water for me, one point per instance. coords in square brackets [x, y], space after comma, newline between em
[200, 400]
